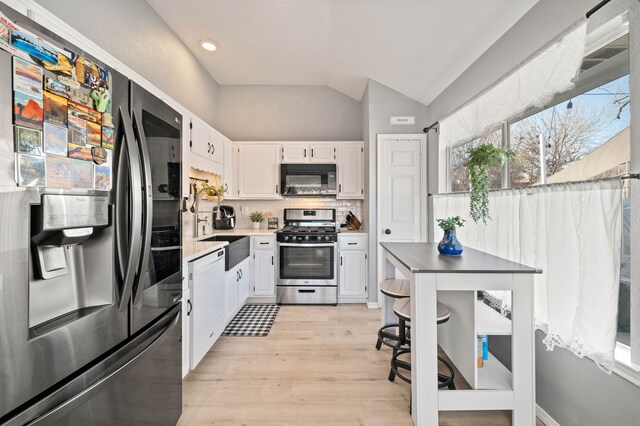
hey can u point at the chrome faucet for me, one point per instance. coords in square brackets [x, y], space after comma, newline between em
[196, 210]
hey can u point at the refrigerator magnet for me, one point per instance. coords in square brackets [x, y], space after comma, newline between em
[55, 109]
[31, 170]
[28, 141]
[55, 139]
[58, 172]
[77, 131]
[81, 174]
[27, 111]
[27, 78]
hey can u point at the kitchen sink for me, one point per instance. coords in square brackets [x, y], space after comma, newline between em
[237, 250]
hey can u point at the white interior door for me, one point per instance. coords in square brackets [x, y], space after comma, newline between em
[402, 197]
[400, 187]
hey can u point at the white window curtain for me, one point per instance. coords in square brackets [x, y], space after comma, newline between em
[573, 232]
[534, 83]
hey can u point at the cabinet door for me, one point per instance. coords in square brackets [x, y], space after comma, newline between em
[295, 153]
[323, 153]
[265, 276]
[350, 171]
[199, 142]
[231, 293]
[243, 283]
[208, 300]
[258, 172]
[229, 176]
[353, 270]
[216, 140]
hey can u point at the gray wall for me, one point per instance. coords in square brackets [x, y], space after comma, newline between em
[572, 390]
[133, 32]
[282, 113]
[383, 103]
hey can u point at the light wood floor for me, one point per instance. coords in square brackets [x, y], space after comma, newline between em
[317, 366]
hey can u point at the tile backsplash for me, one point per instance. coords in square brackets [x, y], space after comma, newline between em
[276, 207]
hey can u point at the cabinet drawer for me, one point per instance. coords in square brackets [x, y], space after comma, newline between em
[264, 243]
[352, 242]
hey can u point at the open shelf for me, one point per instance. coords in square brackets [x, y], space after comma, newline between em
[489, 322]
[493, 375]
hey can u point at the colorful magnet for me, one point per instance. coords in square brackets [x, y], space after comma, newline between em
[82, 174]
[80, 152]
[31, 170]
[55, 109]
[27, 78]
[55, 139]
[102, 178]
[77, 131]
[99, 155]
[58, 172]
[107, 137]
[27, 111]
[28, 141]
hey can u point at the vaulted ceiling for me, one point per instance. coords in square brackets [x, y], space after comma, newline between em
[417, 47]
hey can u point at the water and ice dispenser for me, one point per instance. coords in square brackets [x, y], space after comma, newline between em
[71, 260]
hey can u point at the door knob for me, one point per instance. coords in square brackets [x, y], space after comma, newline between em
[387, 231]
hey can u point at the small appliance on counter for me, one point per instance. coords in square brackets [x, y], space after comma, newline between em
[224, 217]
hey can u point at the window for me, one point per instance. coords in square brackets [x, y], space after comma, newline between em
[584, 138]
[460, 156]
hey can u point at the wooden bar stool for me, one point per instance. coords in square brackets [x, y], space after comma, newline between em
[397, 289]
[402, 309]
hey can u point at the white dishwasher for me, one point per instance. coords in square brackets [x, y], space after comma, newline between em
[208, 300]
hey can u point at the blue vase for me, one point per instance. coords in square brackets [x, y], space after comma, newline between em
[449, 244]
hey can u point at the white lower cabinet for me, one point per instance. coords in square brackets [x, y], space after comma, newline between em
[207, 288]
[352, 264]
[236, 285]
[264, 282]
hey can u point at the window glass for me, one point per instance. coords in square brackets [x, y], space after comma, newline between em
[460, 156]
[586, 137]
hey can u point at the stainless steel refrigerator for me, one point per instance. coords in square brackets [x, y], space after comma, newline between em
[90, 281]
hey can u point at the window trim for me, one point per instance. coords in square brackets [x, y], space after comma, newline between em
[623, 366]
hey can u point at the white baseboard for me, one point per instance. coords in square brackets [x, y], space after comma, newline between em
[545, 417]
[373, 305]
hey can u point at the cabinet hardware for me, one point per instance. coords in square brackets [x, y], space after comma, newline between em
[241, 273]
[190, 144]
[305, 153]
[365, 257]
[190, 307]
[362, 191]
[263, 243]
[311, 152]
[340, 188]
[340, 260]
[352, 244]
[272, 260]
[213, 149]
[276, 189]
[191, 124]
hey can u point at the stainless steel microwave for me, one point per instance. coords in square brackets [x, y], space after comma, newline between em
[308, 180]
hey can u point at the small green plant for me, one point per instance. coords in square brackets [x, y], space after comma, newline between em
[481, 158]
[450, 223]
[256, 217]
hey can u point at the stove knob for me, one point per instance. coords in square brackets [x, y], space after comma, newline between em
[306, 238]
[326, 238]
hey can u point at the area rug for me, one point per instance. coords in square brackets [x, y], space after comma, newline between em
[252, 320]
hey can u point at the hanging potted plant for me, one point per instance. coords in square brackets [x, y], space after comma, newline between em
[256, 217]
[481, 159]
[449, 244]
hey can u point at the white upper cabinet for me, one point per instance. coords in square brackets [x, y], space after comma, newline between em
[229, 169]
[206, 142]
[350, 171]
[258, 171]
[295, 153]
[306, 152]
[322, 153]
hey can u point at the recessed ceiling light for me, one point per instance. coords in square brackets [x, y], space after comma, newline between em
[208, 45]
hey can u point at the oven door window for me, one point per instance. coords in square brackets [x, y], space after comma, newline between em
[307, 263]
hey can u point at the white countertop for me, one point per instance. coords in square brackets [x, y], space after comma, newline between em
[345, 231]
[193, 248]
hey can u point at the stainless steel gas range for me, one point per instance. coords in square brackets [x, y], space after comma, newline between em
[307, 257]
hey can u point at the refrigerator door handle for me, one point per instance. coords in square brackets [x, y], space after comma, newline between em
[147, 205]
[112, 368]
[129, 272]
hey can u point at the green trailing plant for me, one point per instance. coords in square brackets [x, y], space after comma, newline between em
[256, 217]
[450, 223]
[214, 191]
[481, 158]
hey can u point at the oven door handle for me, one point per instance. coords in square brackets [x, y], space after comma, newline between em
[307, 245]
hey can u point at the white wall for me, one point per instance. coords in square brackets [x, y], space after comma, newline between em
[133, 32]
[281, 113]
[383, 103]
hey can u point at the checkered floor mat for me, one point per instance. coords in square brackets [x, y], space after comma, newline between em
[252, 320]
